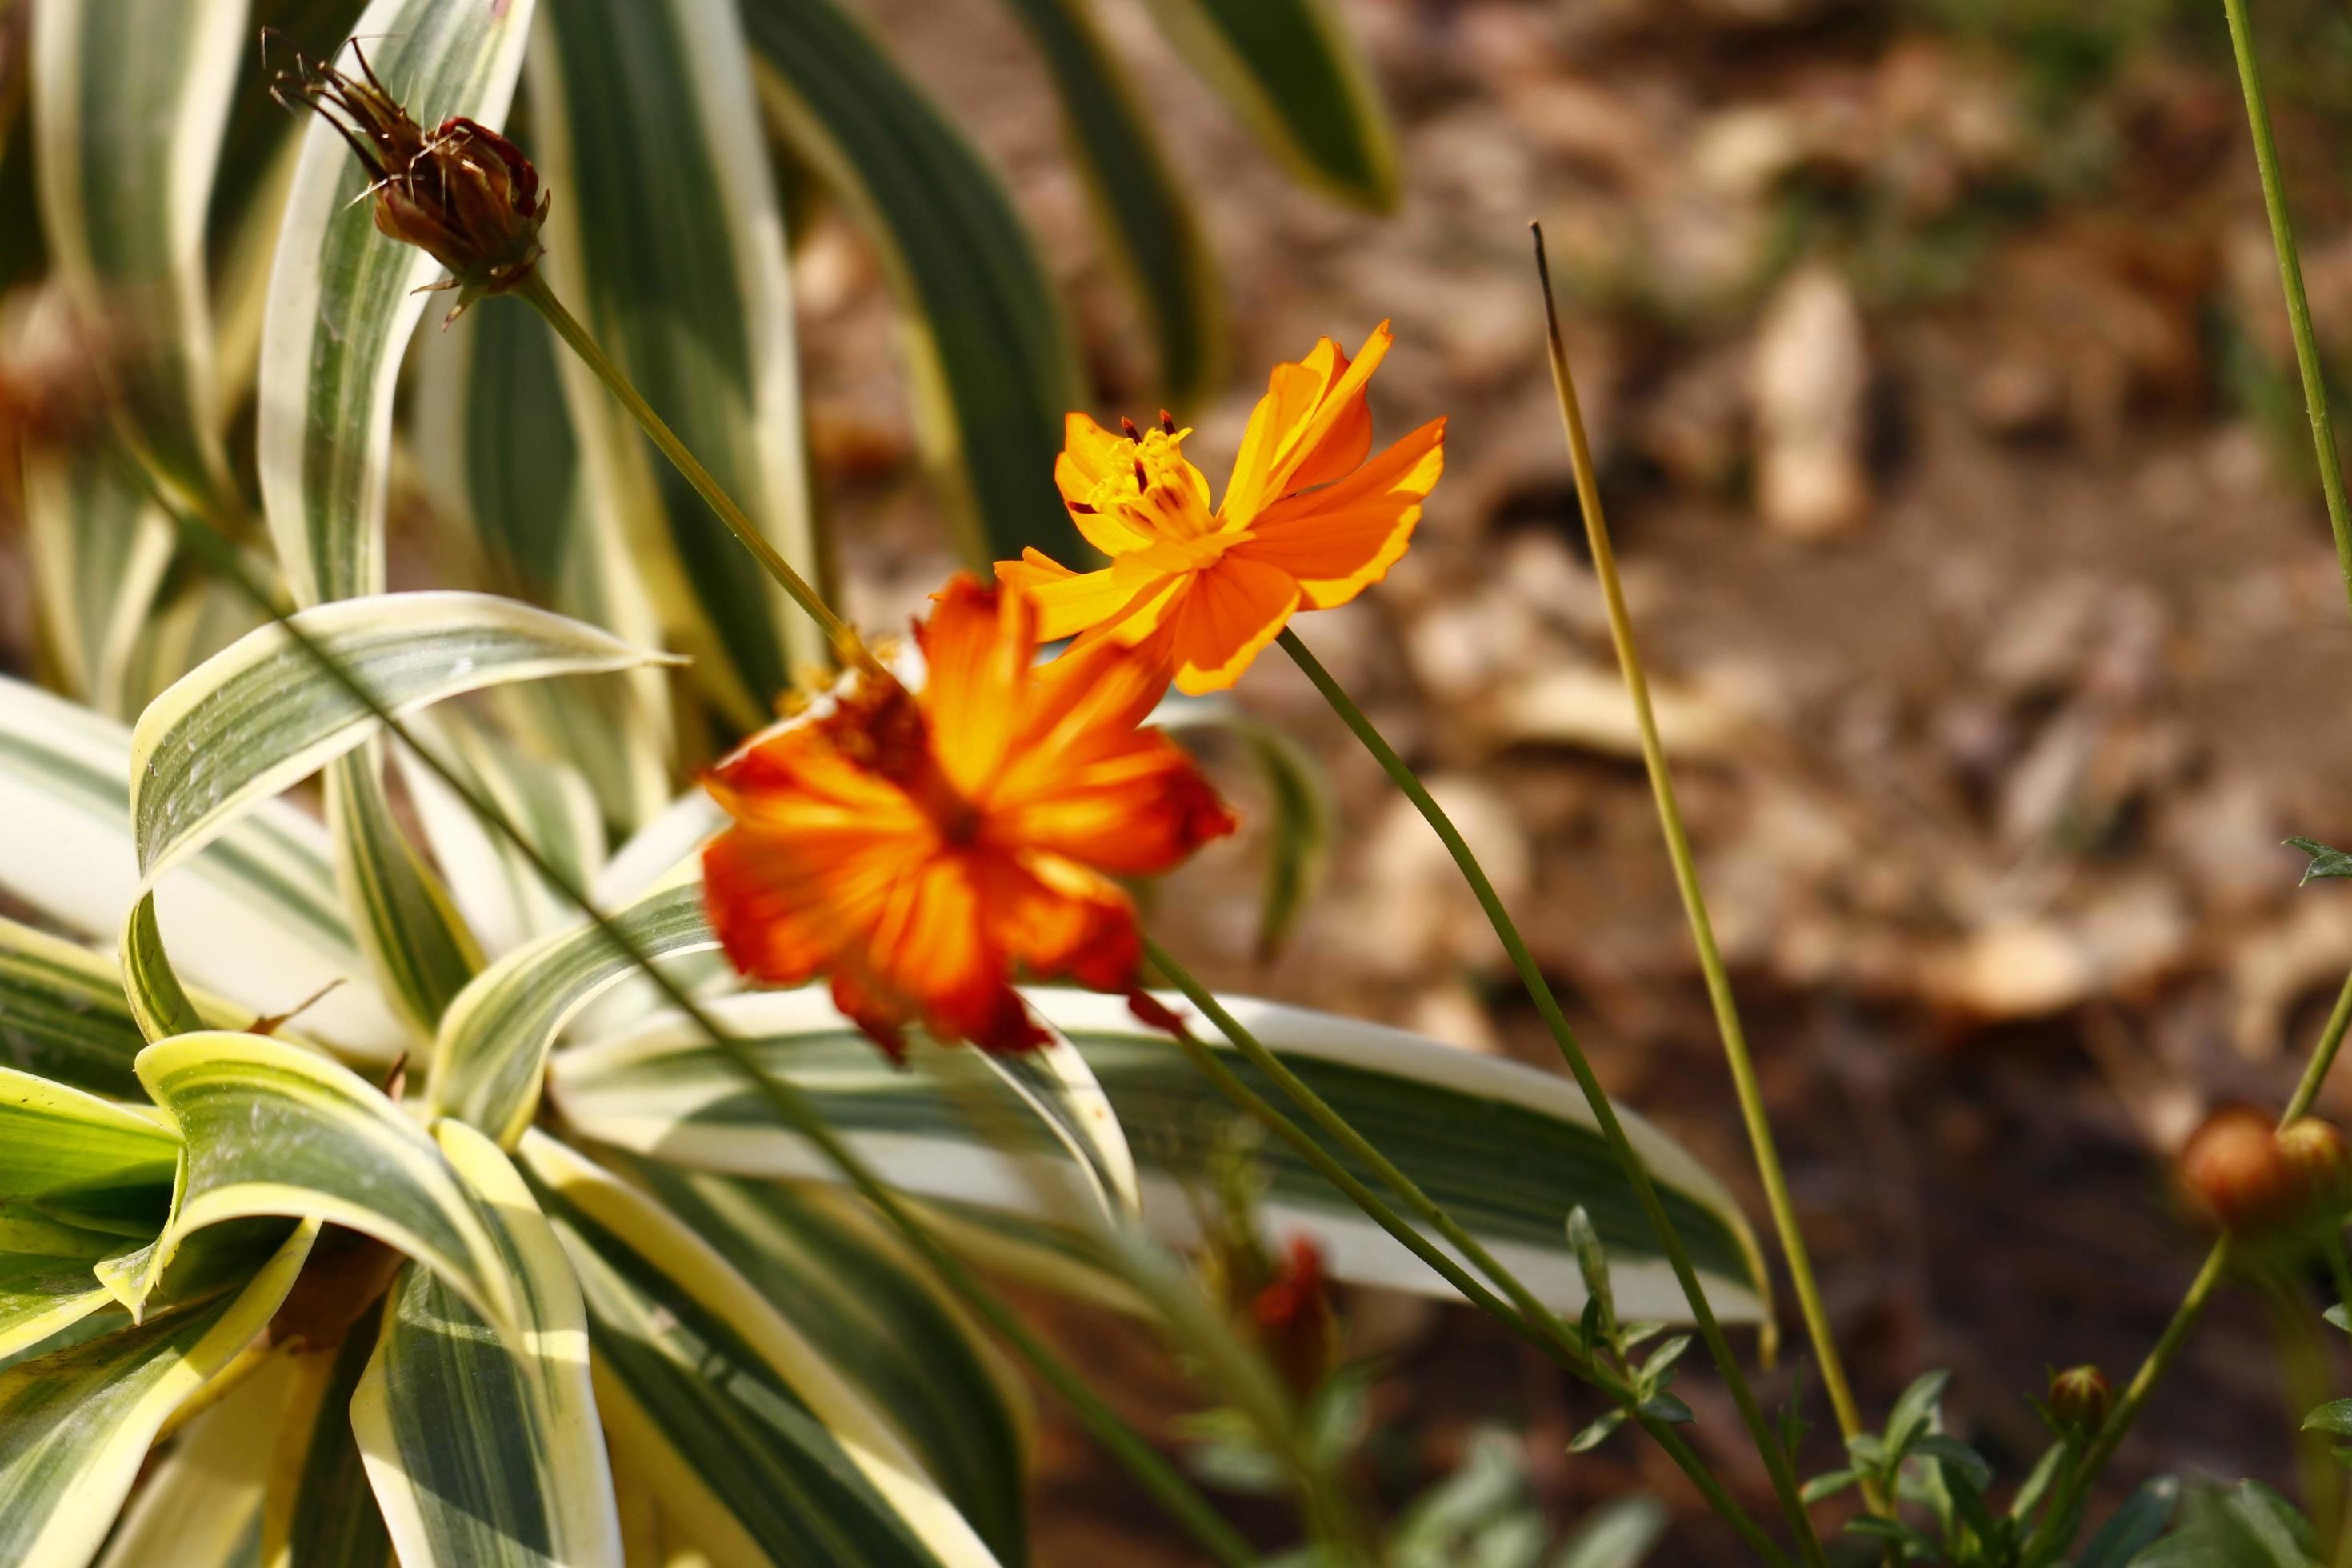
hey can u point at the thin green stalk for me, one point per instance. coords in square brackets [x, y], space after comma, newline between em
[2322, 1056]
[1181, 1501]
[1678, 850]
[2298, 308]
[1612, 1132]
[844, 642]
[1531, 1320]
[2302, 1375]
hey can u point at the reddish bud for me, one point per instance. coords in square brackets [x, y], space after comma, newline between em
[2234, 1168]
[2079, 1398]
[2315, 1152]
[1292, 1316]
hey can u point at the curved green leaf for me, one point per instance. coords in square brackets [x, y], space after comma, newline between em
[1300, 816]
[262, 714]
[200, 1506]
[667, 240]
[75, 1426]
[127, 138]
[99, 547]
[407, 923]
[343, 301]
[993, 366]
[743, 1422]
[1143, 210]
[869, 1309]
[319, 1508]
[271, 1130]
[1290, 71]
[1509, 1150]
[496, 443]
[491, 1050]
[63, 1014]
[254, 917]
[479, 1453]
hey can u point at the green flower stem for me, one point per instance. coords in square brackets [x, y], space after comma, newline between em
[1178, 1496]
[1678, 850]
[2322, 1056]
[2298, 306]
[844, 642]
[1612, 1132]
[1530, 1319]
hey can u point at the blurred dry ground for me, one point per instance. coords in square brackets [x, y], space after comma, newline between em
[1935, 357]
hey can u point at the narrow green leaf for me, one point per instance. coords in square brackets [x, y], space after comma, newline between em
[262, 715]
[255, 917]
[1595, 1432]
[127, 138]
[75, 1426]
[2334, 1416]
[99, 547]
[1914, 1414]
[743, 1424]
[59, 1143]
[41, 1295]
[867, 1308]
[1142, 209]
[1592, 1264]
[1508, 1150]
[483, 1451]
[992, 359]
[1619, 1534]
[1300, 818]
[2132, 1526]
[319, 1508]
[496, 444]
[1294, 77]
[343, 301]
[2325, 862]
[420, 947]
[270, 1130]
[200, 1506]
[668, 240]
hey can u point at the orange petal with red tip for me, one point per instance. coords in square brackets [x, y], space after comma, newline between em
[977, 647]
[1340, 539]
[1311, 427]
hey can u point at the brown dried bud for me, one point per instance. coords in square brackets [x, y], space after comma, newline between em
[465, 195]
[1292, 1317]
[2232, 1167]
[2315, 1152]
[2079, 1398]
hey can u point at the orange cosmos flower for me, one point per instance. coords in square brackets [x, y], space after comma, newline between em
[1307, 521]
[918, 846]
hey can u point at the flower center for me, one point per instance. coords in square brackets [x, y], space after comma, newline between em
[1156, 490]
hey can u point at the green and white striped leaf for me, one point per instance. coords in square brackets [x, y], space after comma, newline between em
[666, 238]
[343, 301]
[128, 139]
[195, 617]
[743, 1424]
[495, 443]
[99, 547]
[479, 1453]
[263, 715]
[72, 1157]
[407, 923]
[991, 356]
[255, 917]
[319, 1508]
[76, 1426]
[1292, 74]
[491, 1050]
[1509, 1150]
[504, 900]
[271, 1130]
[42, 1294]
[200, 1506]
[63, 1014]
[1143, 211]
[869, 1308]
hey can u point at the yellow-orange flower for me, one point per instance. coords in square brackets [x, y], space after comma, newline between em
[1307, 521]
[917, 847]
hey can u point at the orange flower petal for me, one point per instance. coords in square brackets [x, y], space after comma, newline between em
[1060, 918]
[1227, 614]
[1311, 427]
[1342, 538]
[977, 647]
[1068, 601]
[1132, 806]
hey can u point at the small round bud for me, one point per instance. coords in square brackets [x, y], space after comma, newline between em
[2078, 1399]
[2234, 1168]
[2315, 1152]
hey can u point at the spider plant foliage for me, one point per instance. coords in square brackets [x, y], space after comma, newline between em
[358, 1196]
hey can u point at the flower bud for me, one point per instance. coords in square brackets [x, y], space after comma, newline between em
[2078, 1399]
[2322, 1166]
[1292, 1317]
[465, 195]
[2233, 1167]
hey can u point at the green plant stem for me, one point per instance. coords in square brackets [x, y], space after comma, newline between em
[2302, 1371]
[2298, 306]
[2323, 1056]
[1178, 1496]
[844, 642]
[1530, 1319]
[1612, 1132]
[1678, 850]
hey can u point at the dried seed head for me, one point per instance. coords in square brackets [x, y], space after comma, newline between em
[464, 195]
[2079, 1398]
[2234, 1168]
